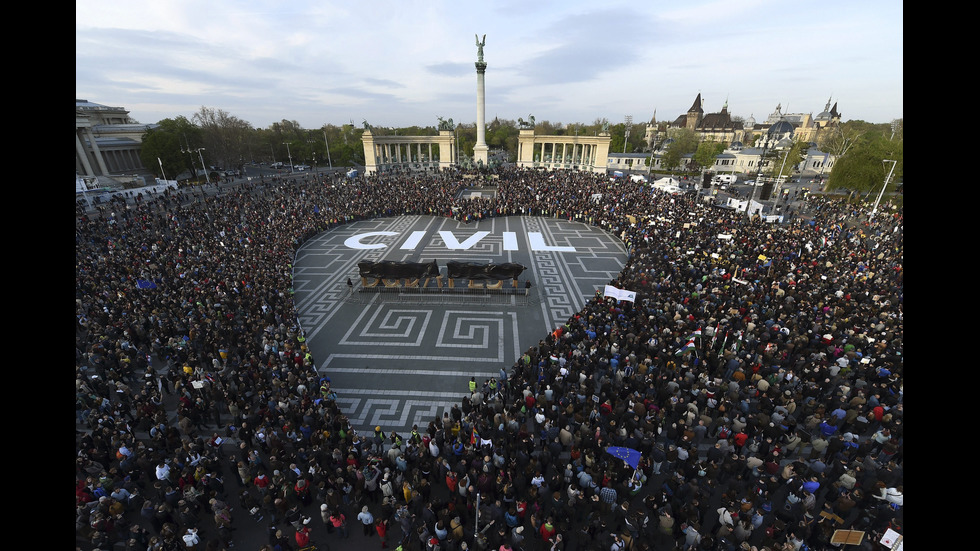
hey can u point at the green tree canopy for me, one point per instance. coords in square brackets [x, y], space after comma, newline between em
[863, 168]
[706, 152]
[504, 134]
[167, 142]
[685, 141]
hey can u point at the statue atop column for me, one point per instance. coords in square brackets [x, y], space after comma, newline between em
[479, 47]
[446, 125]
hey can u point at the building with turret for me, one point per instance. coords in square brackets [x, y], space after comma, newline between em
[805, 127]
[718, 127]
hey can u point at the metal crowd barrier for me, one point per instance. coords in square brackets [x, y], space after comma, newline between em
[477, 292]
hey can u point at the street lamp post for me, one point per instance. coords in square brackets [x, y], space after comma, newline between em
[327, 144]
[629, 125]
[290, 157]
[887, 178]
[312, 143]
[206, 177]
[758, 178]
[162, 173]
[779, 184]
[203, 166]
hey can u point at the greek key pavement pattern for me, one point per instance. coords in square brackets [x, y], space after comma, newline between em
[401, 357]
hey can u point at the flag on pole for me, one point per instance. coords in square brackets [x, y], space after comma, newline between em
[474, 437]
[737, 343]
[686, 348]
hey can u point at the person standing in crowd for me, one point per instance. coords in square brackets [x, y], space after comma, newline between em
[367, 520]
[818, 330]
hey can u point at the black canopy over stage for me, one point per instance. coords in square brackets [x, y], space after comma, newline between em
[417, 277]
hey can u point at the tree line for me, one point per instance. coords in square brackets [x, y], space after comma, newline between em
[178, 145]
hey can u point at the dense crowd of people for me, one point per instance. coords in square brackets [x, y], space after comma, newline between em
[758, 374]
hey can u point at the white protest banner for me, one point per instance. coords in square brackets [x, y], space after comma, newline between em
[619, 294]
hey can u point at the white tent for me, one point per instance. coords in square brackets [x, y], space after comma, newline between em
[665, 182]
[755, 207]
[669, 185]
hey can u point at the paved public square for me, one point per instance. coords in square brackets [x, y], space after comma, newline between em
[401, 357]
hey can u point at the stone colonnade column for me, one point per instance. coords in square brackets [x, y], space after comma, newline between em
[480, 149]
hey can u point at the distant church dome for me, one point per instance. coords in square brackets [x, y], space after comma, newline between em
[781, 127]
[736, 146]
[749, 122]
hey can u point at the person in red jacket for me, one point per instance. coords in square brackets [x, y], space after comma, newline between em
[303, 537]
[381, 526]
[261, 482]
[740, 439]
[548, 529]
[302, 489]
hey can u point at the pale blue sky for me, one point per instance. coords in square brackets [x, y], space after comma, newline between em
[402, 63]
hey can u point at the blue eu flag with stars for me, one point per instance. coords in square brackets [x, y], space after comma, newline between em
[629, 455]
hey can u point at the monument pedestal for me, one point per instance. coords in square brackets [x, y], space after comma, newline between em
[480, 155]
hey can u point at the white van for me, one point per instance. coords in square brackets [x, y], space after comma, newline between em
[638, 178]
[724, 179]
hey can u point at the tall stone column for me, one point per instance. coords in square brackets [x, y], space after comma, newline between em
[97, 153]
[480, 149]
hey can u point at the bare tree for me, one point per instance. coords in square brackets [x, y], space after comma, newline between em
[226, 137]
